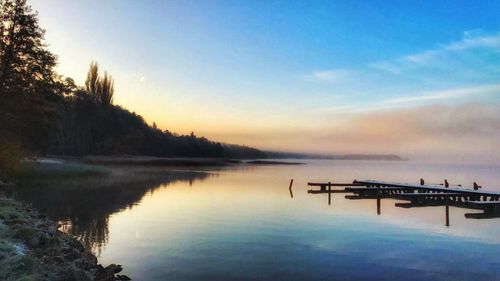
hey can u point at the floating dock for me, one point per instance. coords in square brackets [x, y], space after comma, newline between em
[417, 195]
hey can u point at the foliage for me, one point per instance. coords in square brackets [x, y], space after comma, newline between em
[10, 158]
[100, 88]
[41, 112]
[27, 84]
[26, 65]
[38, 171]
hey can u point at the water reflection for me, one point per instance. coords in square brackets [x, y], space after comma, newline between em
[242, 225]
[83, 207]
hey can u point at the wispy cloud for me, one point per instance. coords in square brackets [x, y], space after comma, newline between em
[417, 99]
[469, 42]
[339, 109]
[450, 54]
[472, 60]
[446, 94]
[386, 67]
[465, 70]
[330, 76]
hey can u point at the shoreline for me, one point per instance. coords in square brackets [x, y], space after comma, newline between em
[31, 245]
[133, 160]
[33, 248]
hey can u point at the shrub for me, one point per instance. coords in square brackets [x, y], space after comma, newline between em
[11, 155]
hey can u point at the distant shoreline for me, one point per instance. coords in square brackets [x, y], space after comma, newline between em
[177, 161]
[213, 161]
[376, 157]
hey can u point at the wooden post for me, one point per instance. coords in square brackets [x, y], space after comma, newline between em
[329, 193]
[447, 212]
[290, 188]
[378, 206]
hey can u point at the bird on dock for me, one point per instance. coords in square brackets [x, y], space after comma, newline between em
[446, 184]
[422, 182]
[476, 186]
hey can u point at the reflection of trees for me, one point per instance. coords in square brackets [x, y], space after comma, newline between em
[93, 235]
[83, 208]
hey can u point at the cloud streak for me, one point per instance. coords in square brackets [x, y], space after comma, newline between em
[332, 76]
[459, 58]
[446, 94]
[418, 99]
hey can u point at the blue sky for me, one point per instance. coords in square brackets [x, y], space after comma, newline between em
[292, 75]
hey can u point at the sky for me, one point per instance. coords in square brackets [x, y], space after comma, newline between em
[420, 79]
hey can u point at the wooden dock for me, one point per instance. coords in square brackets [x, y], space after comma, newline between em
[417, 195]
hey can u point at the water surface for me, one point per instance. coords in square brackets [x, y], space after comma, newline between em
[240, 223]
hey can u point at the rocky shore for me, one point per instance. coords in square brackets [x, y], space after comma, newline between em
[32, 248]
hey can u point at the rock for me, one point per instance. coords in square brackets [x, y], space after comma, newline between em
[104, 275]
[71, 254]
[65, 274]
[89, 258]
[115, 268]
[47, 252]
[76, 244]
[80, 275]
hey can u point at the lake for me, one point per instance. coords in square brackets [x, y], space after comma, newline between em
[241, 223]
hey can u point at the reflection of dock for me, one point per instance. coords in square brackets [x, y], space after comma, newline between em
[423, 195]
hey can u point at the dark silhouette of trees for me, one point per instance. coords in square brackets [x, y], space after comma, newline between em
[92, 82]
[41, 112]
[26, 64]
[27, 85]
[106, 90]
[101, 88]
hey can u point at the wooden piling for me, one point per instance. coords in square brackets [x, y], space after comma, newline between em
[329, 193]
[447, 213]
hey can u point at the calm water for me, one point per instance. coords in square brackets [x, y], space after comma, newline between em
[240, 223]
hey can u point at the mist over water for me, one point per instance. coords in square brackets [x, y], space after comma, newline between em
[240, 223]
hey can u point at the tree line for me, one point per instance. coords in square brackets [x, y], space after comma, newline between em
[42, 112]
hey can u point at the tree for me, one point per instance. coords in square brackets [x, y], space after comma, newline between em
[106, 90]
[26, 65]
[100, 88]
[92, 82]
[27, 83]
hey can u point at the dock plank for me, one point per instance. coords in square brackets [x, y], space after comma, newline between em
[483, 203]
[327, 191]
[427, 187]
[427, 195]
[332, 184]
[362, 189]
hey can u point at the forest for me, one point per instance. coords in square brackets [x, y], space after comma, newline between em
[45, 113]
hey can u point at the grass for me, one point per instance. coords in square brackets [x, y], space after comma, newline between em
[33, 171]
[15, 263]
